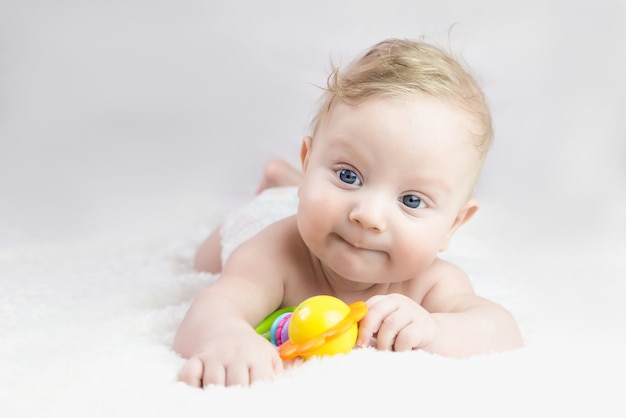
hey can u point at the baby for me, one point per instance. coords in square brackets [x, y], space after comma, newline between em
[387, 179]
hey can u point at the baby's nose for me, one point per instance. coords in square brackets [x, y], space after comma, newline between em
[370, 215]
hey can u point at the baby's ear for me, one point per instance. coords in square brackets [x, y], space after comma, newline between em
[305, 150]
[465, 214]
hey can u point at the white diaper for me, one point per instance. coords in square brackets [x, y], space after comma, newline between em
[268, 207]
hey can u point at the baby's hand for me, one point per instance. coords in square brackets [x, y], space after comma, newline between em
[398, 323]
[234, 358]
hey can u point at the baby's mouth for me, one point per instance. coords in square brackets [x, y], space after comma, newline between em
[359, 245]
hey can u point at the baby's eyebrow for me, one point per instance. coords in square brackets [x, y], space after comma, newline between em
[431, 186]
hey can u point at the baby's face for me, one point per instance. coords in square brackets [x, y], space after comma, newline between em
[383, 184]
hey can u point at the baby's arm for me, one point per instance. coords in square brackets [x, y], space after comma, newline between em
[217, 335]
[451, 319]
[468, 324]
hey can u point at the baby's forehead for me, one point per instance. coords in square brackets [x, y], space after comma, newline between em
[429, 121]
[369, 133]
[458, 114]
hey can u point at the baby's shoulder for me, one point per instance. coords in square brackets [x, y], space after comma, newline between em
[274, 253]
[443, 273]
[440, 275]
[447, 283]
[280, 240]
[446, 268]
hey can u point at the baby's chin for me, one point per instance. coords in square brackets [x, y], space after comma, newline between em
[348, 279]
[358, 265]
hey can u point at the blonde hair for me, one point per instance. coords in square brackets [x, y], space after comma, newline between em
[400, 67]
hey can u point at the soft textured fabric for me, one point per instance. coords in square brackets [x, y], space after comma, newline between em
[86, 329]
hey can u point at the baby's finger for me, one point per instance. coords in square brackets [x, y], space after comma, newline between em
[266, 370]
[367, 328]
[408, 338]
[214, 374]
[371, 302]
[191, 372]
[378, 309]
[391, 326]
[237, 374]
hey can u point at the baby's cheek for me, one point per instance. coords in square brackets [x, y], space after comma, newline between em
[414, 260]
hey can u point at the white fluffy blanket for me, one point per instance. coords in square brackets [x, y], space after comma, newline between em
[86, 330]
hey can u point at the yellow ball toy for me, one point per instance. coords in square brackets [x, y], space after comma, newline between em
[322, 325]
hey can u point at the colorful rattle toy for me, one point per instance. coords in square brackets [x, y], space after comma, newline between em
[321, 325]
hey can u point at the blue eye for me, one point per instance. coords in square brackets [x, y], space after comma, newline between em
[349, 177]
[412, 201]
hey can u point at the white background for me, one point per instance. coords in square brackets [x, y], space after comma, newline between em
[114, 111]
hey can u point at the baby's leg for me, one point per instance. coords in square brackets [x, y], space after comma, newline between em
[209, 254]
[276, 173]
